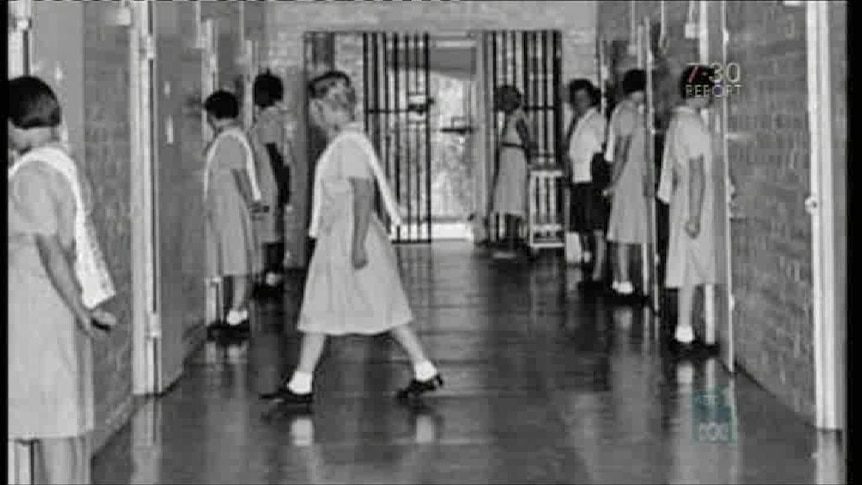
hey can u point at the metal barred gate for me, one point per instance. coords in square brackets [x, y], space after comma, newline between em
[392, 80]
[397, 109]
[531, 61]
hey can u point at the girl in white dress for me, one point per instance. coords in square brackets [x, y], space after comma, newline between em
[687, 185]
[353, 284]
[514, 153]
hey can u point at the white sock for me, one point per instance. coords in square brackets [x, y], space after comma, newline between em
[424, 371]
[300, 383]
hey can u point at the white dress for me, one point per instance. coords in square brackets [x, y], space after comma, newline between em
[689, 259]
[340, 300]
[510, 189]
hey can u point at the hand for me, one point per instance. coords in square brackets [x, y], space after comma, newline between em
[692, 227]
[609, 191]
[103, 320]
[360, 258]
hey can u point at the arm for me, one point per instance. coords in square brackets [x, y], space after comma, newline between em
[59, 268]
[363, 196]
[621, 152]
[696, 188]
[524, 134]
[279, 170]
[243, 185]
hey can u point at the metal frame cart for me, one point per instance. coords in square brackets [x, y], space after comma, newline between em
[546, 222]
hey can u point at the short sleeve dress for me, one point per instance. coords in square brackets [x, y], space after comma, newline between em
[690, 259]
[231, 243]
[628, 217]
[510, 189]
[50, 366]
[340, 300]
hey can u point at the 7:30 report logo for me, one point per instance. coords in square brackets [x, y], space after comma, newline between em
[725, 81]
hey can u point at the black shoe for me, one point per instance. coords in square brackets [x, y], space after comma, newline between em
[286, 396]
[416, 388]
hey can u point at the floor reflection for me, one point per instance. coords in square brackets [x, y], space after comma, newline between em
[544, 385]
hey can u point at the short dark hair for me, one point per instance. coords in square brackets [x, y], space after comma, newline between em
[634, 81]
[695, 75]
[583, 85]
[33, 104]
[320, 86]
[267, 90]
[222, 105]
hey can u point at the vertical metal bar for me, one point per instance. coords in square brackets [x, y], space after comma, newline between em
[428, 134]
[558, 129]
[398, 160]
[408, 159]
[414, 131]
[495, 223]
[418, 135]
[386, 152]
[515, 70]
[525, 71]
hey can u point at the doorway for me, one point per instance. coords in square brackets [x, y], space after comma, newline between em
[427, 106]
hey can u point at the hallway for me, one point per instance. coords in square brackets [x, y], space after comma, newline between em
[542, 386]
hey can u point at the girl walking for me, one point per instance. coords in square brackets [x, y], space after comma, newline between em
[353, 284]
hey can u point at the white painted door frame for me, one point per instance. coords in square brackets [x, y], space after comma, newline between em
[20, 454]
[144, 311]
[820, 206]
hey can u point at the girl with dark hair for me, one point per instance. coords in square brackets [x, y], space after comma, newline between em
[514, 155]
[686, 184]
[629, 188]
[268, 139]
[58, 281]
[353, 285]
[585, 137]
[231, 193]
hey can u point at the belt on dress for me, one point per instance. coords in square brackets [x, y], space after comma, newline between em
[512, 145]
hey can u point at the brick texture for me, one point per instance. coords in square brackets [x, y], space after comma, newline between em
[288, 21]
[106, 162]
[771, 245]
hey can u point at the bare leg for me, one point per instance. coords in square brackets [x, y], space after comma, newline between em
[684, 327]
[407, 338]
[240, 285]
[310, 351]
[599, 267]
[512, 231]
[623, 262]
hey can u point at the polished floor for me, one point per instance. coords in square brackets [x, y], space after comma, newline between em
[543, 385]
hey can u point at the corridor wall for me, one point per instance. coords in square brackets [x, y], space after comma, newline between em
[770, 166]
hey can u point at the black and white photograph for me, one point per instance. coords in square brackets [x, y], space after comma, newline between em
[427, 242]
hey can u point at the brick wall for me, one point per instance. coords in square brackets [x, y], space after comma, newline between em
[86, 61]
[771, 248]
[106, 161]
[288, 21]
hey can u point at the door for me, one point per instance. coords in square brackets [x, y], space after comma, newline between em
[531, 62]
[650, 281]
[397, 114]
[718, 299]
[144, 247]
